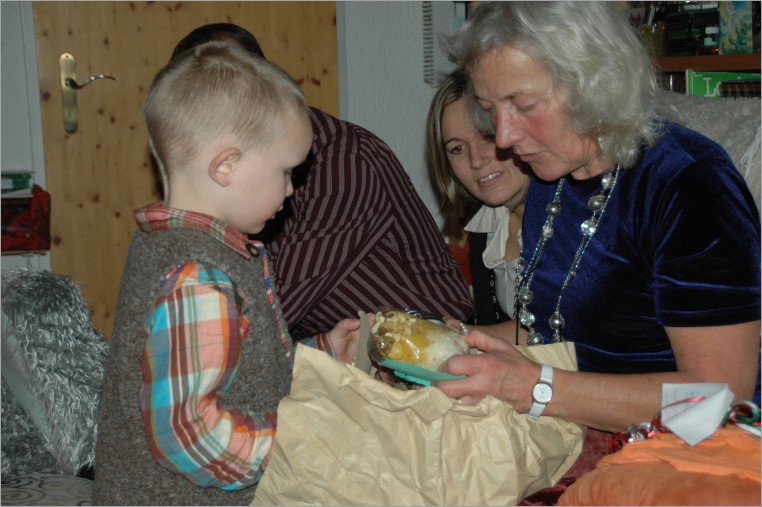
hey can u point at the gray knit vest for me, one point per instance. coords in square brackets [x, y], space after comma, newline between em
[125, 471]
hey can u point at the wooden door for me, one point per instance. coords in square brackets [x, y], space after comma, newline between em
[98, 175]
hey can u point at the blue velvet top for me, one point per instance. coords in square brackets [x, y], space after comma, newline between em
[678, 245]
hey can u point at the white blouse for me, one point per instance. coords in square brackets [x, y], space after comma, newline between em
[494, 221]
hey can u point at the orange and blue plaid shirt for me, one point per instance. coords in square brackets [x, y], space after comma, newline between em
[196, 331]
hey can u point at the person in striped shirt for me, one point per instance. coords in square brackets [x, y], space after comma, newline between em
[355, 234]
[201, 355]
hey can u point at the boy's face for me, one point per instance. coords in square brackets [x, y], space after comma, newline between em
[263, 176]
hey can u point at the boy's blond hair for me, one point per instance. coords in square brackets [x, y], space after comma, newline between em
[216, 89]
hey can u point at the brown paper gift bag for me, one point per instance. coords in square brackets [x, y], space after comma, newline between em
[345, 438]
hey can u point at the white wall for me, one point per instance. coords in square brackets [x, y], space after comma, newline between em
[21, 134]
[381, 80]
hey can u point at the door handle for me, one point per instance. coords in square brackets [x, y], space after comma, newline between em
[67, 67]
[73, 84]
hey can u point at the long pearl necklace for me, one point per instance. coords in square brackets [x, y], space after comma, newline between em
[524, 296]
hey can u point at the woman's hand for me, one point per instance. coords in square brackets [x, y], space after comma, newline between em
[501, 371]
[343, 338]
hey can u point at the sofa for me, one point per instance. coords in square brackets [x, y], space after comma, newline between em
[52, 371]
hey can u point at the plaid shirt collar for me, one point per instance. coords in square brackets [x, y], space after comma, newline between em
[158, 217]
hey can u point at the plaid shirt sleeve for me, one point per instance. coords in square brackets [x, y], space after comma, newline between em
[190, 362]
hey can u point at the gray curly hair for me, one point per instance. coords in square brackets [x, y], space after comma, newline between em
[594, 56]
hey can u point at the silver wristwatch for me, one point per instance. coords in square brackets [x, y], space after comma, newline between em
[542, 392]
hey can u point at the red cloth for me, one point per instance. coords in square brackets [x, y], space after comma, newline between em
[26, 222]
[594, 448]
[461, 257]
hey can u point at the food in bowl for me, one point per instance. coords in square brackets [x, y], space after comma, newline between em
[400, 336]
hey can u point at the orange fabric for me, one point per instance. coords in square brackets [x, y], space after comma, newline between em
[722, 470]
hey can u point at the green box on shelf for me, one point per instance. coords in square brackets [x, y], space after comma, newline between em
[707, 84]
[735, 28]
[16, 181]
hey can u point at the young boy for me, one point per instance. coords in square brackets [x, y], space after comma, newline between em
[200, 354]
[355, 221]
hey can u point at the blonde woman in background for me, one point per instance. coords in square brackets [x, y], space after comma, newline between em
[467, 170]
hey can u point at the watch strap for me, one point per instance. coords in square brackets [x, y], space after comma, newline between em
[546, 374]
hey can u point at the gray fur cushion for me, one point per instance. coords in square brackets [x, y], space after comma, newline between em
[52, 371]
[733, 123]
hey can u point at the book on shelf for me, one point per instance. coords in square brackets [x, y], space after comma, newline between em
[741, 88]
[17, 184]
[737, 27]
[721, 84]
[699, 27]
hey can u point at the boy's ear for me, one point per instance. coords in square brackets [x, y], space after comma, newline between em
[222, 167]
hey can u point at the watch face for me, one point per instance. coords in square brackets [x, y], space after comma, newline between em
[542, 393]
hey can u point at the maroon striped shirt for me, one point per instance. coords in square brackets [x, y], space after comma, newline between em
[357, 236]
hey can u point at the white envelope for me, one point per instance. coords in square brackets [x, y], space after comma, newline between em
[693, 412]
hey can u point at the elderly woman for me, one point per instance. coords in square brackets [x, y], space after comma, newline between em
[641, 239]
[467, 169]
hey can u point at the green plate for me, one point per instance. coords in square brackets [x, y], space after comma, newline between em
[416, 374]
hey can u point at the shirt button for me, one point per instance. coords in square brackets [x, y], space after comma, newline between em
[253, 250]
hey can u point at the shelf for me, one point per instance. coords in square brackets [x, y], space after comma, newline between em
[739, 62]
[25, 252]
